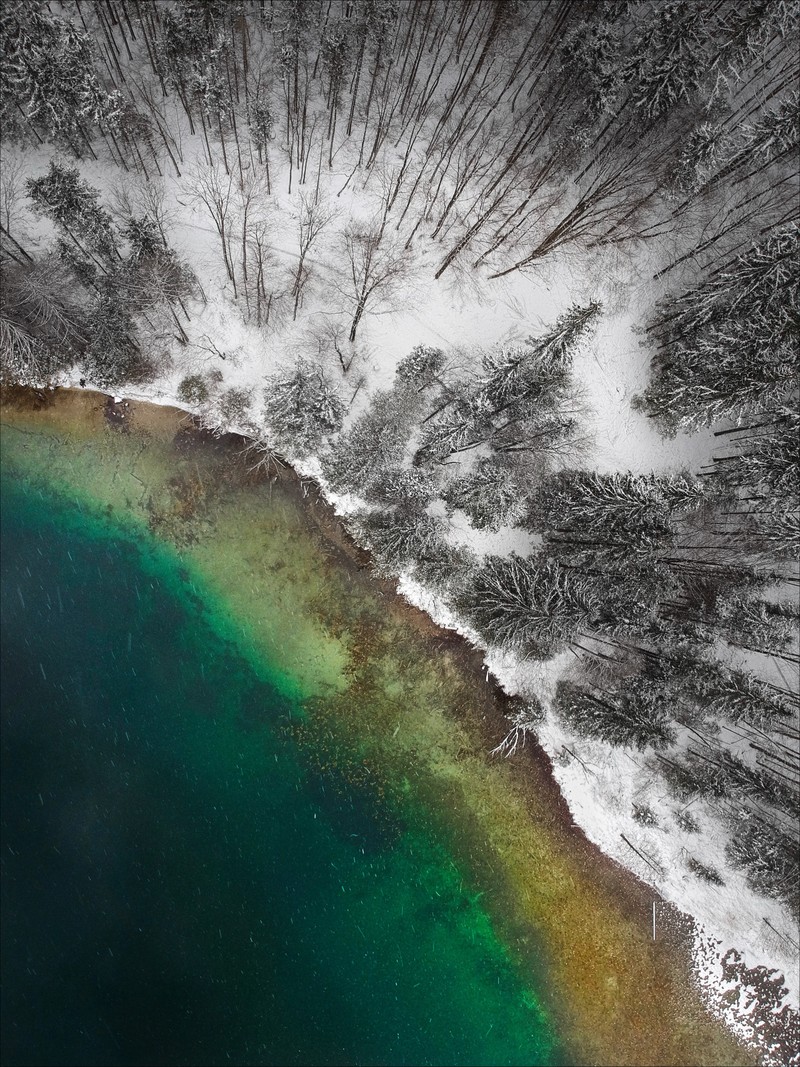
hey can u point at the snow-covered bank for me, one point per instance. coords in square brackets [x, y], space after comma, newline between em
[601, 785]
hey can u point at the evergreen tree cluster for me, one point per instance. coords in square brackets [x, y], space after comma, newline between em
[91, 298]
[398, 454]
[728, 350]
[625, 577]
[505, 133]
[729, 347]
[522, 402]
[49, 83]
[585, 515]
[769, 856]
[302, 408]
[375, 446]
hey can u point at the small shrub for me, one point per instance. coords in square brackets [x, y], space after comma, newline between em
[411, 489]
[525, 711]
[193, 389]
[644, 815]
[234, 405]
[708, 874]
[687, 822]
[524, 715]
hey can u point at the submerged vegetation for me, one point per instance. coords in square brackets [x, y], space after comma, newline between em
[474, 140]
[327, 785]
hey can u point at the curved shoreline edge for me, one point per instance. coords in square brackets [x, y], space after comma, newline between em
[633, 897]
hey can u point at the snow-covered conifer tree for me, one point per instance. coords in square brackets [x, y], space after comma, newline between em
[421, 366]
[302, 407]
[770, 858]
[489, 495]
[531, 606]
[670, 56]
[638, 719]
[48, 75]
[400, 538]
[114, 355]
[592, 54]
[611, 515]
[72, 204]
[730, 346]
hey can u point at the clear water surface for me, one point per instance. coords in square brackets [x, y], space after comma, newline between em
[181, 885]
[249, 813]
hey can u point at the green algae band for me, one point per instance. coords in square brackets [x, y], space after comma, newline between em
[184, 881]
[250, 813]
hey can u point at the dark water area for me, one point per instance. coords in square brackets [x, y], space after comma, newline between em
[180, 883]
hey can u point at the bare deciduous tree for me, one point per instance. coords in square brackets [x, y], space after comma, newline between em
[214, 189]
[136, 196]
[329, 339]
[267, 300]
[314, 216]
[39, 298]
[376, 268]
[252, 207]
[11, 193]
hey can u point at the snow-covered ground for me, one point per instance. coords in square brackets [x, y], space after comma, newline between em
[464, 314]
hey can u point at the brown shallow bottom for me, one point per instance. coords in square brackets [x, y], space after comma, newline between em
[619, 996]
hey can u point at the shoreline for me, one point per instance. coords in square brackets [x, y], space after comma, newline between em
[532, 754]
[531, 769]
[640, 902]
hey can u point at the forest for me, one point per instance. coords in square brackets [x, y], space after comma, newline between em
[344, 155]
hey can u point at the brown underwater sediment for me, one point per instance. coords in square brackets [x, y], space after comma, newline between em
[619, 997]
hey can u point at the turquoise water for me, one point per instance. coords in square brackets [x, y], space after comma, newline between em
[181, 884]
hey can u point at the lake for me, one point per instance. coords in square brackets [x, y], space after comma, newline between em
[249, 812]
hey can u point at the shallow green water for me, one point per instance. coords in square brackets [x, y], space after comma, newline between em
[184, 882]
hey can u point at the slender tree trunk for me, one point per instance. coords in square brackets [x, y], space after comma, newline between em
[205, 138]
[222, 142]
[16, 243]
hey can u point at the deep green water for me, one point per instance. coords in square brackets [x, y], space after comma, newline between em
[180, 885]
